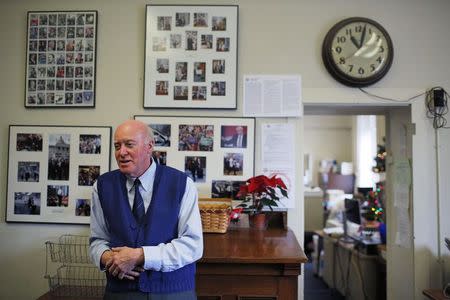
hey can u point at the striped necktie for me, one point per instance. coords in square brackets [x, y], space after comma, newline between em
[138, 204]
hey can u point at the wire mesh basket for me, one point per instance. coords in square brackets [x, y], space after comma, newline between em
[69, 249]
[75, 275]
[77, 281]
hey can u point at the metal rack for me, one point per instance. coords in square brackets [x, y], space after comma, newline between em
[75, 275]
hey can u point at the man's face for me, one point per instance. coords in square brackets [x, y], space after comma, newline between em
[239, 130]
[133, 148]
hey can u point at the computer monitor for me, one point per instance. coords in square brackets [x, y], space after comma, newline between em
[353, 210]
[352, 219]
[364, 190]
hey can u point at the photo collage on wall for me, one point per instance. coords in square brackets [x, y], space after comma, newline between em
[61, 59]
[216, 153]
[191, 56]
[52, 170]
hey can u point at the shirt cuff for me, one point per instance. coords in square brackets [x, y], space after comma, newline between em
[98, 259]
[152, 258]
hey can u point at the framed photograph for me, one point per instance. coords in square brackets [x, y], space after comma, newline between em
[191, 56]
[206, 149]
[51, 170]
[61, 59]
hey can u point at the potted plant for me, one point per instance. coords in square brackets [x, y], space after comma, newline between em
[260, 192]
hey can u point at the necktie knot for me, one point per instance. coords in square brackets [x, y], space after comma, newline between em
[138, 204]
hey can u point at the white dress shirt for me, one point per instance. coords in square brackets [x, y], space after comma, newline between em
[183, 250]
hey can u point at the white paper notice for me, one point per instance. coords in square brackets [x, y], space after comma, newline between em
[278, 156]
[403, 235]
[401, 196]
[272, 96]
[402, 182]
[402, 172]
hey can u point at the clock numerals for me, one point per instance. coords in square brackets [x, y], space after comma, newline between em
[358, 28]
[341, 39]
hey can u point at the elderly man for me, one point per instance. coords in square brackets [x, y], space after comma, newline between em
[146, 229]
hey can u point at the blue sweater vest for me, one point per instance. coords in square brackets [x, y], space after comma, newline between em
[160, 225]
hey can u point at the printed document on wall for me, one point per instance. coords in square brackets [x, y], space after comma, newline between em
[277, 156]
[272, 96]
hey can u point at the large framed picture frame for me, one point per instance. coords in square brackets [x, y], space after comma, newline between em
[216, 152]
[191, 56]
[61, 59]
[51, 170]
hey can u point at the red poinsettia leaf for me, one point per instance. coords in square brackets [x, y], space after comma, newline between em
[279, 182]
[257, 184]
[243, 191]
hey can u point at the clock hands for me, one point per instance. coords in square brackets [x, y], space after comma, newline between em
[363, 36]
[359, 44]
[355, 42]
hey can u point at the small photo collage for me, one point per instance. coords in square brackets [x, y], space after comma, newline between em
[61, 59]
[58, 163]
[52, 170]
[192, 53]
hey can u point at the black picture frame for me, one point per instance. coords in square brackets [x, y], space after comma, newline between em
[191, 56]
[61, 59]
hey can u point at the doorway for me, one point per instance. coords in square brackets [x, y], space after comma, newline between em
[396, 123]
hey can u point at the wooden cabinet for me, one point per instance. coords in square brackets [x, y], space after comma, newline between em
[248, 264]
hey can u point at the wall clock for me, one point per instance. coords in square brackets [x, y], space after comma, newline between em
[357, 51]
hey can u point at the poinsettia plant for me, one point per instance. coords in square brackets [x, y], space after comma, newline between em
[262, 191]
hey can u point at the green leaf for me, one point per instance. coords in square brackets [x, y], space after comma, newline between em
[272, 203]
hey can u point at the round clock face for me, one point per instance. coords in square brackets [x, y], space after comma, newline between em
[357, 52]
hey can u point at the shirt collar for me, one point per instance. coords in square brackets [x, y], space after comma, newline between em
[146, 179]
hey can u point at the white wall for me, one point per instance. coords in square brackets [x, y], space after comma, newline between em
[275, 37]
[327, 137]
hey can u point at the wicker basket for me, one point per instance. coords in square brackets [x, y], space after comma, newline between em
[215, 214]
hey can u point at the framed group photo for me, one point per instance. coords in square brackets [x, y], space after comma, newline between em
[61, 59]
[191, 56]
[51, 170]
[217, 153]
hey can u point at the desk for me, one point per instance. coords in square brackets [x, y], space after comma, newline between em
[250, 263]
[434, 294]
[352, 272]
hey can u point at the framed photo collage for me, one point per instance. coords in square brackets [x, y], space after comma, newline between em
[190, 56]
[51, 170]
[61, 59]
